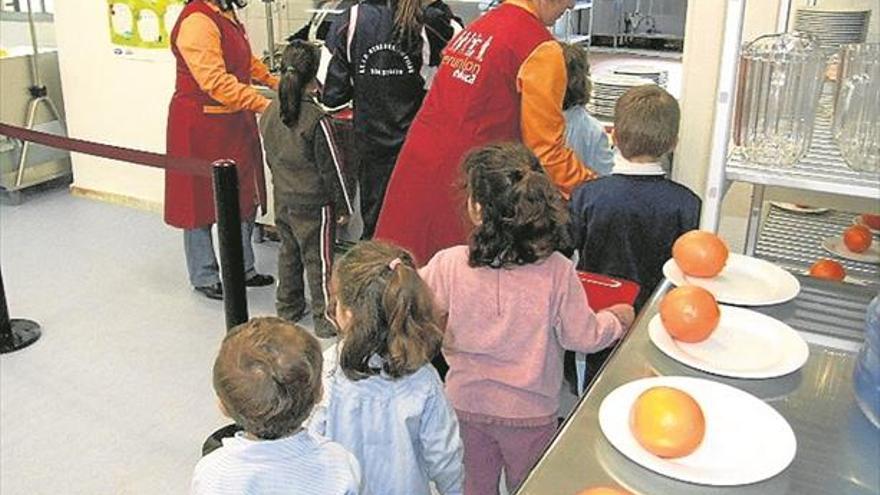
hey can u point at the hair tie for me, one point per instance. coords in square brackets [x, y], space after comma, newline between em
[289, 69]
[393, 264]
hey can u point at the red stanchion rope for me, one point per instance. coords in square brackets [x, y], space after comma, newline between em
[193, 166]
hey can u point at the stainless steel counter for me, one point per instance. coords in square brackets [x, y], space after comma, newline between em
[838, 450]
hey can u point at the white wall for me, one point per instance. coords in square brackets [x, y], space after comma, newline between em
[124, 102]
[17, 33]
[111, 100]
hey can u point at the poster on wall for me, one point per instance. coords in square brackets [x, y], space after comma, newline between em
[140, 29]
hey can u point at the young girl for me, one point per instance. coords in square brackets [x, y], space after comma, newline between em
[512, 305]
[382, 51]
[383, 401]
[311, 192]
[583, 133]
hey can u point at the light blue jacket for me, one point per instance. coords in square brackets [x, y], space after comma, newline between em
[586, 137]
[403, 432]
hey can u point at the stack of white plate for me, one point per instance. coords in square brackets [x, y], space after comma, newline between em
[607, 88]
[659, 76]
[833, 27]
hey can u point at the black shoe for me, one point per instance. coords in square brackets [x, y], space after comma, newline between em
[211, 291]
[260, 280]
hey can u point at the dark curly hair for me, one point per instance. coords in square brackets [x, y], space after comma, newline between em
[392, 312]
[524, 218]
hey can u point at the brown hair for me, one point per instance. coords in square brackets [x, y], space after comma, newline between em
[392, 309]
[577, 91]
[408, 23]
[524, 218]
[268, 376]
[299, 66]
[646, 122]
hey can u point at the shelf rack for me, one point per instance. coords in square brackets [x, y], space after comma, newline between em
[565, 30]
[794, 240]
[822, 169]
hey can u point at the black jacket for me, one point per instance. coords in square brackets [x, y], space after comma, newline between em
[624, 226]
[385, 80]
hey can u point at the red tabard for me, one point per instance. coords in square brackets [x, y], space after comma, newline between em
[189, 199]
[473, 101]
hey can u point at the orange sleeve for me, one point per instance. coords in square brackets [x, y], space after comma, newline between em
[261, 74]
[198, 41]
[541, 82]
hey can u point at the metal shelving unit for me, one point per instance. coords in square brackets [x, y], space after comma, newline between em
[821, 170]
[794, 240]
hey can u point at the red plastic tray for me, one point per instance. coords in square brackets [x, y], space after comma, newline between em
[603, 291]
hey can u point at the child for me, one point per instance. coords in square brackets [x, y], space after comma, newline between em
[583, 133]
[624, 225]
[384, 402]
[268, 377]
[311, 190]
[512, 303]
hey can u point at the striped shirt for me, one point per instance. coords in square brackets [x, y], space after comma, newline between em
[302, 464]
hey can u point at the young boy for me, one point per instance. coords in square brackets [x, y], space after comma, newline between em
[268, 377]
[624, 225]
[583, 133]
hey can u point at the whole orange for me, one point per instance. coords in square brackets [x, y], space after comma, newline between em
[871, 220]
[700, 254]
[689, 313]
[857, 238]
[667, 422]
[603, 490]
[828, 270]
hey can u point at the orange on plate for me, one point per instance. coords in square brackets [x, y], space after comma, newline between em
[689, 313]
[828, 270]
[604, 490]
[700, 254]
[871, 220]
[667, 422]
[857, 238]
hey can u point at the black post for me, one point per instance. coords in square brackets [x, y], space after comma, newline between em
[229, 234]
[14, 334]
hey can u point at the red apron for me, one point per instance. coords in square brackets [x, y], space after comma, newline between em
[189, 199]
[473, 101]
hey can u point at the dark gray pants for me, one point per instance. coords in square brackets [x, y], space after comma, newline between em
[308, 234]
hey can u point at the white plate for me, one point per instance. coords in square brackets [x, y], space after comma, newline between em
[746, 344]
[798, 209]
[835, 246]
[744, 281]
[857, 220]
[746, 440]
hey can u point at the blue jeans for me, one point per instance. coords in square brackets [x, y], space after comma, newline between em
[201, 263]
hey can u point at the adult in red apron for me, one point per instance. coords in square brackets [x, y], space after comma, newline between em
[501, 79]
[212, 116]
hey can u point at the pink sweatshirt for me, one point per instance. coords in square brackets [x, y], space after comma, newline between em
[506, 331]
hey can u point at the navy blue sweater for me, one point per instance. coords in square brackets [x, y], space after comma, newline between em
[624, 226]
